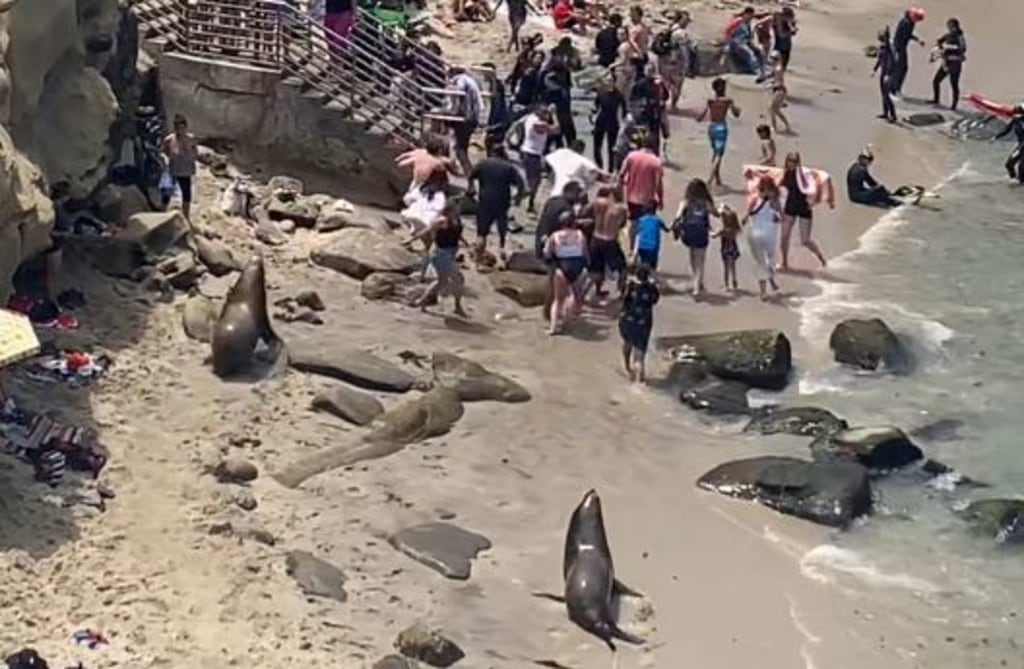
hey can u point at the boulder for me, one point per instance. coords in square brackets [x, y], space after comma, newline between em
[877, 448]
[526, 290]
[526, 262]
[284, 185]
[686, 375]
[115, 203]
[285, 207]
[803, 421]
[829, 493]
[941, 476]
[116, 257]
[181, 271]
[924, 119]
[358, 253]
[235, 470]
[867, 344]
[359, 368]
[349, 405]
[1001, 519]
[445, 548]
[718, 397]
[155, 232]
[475, 383]
[199, 317]
[758, 358]
[335, 216]
[431, 646]
[216, 256]
[316, 577]
[393, 287]
[395, 662]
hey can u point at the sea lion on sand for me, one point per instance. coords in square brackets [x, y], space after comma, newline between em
[243, 322]
[590, 583]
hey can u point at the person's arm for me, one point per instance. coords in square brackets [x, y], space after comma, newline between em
[655, 293]
[1008, 129]
[549, 246]
[870, 180]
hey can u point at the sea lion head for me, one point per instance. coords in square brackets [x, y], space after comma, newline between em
[586, 529]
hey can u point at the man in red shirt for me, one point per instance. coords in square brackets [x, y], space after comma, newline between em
[641, 180]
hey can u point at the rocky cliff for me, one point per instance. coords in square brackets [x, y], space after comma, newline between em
[67, 71]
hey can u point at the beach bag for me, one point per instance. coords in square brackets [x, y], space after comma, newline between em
[662, 45]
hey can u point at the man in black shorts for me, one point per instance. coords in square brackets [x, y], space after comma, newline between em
[496, 176]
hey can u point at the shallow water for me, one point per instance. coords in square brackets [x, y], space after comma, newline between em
[949, 282]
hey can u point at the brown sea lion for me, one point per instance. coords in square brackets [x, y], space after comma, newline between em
[243, 323]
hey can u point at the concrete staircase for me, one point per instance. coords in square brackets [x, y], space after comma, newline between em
[354, 77]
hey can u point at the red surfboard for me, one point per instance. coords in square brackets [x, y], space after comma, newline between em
[986, 105]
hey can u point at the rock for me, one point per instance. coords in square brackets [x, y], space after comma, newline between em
[348, 404]
[443, 547]
[867, 344]
[803, 421]
[431, 415]
[181, 271]
[199, 317]
[758, 358]
[236, 470]
[1001, 519]
[310, 299]
[155, 232]
[279, 185]
[358, 253]
[473, 382]
[718, 397]
[315, 577]
[285, 207]
[335, 216]
[686, 375]
[244, 499]
[526, 290]
[116, 204]
[526, 262]
[427, 645]
[395, 662]
[353, 366]
[267, 231]
[216, 256]
[924, 119]
[832, 493]
[874, 447]
[394, 287]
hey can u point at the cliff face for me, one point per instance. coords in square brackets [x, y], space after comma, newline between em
[58, 59]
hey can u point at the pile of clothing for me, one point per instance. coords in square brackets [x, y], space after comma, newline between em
[49, 446]
[75, 368]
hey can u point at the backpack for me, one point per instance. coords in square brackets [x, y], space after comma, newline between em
[662, 45]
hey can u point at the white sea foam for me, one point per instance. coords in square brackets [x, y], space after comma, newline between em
[822, 563]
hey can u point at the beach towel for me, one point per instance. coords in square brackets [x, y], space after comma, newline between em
[816, 184]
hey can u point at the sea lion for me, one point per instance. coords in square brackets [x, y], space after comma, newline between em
[590, 583]
[243, 322]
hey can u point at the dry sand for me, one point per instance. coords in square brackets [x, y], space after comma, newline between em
[722, 577]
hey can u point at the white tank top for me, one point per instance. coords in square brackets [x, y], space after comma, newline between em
[534, 139]
[569, 246]
[763, 222]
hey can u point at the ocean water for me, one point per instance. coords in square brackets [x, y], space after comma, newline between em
[947, 278]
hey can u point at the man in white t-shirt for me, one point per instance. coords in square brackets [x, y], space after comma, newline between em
[571, 165]
[537, 126]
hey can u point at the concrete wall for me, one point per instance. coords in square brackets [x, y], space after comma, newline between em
[262, 117]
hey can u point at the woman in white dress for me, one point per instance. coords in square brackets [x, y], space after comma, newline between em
[764, 214]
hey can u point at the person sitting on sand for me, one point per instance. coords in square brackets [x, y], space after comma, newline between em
[446, 232]
[718, 108]
[636, 321]
[565, 17]
[862, 188]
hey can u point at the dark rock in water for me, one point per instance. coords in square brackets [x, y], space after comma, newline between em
[944, 477]
[526, 290]
[216, 256]
[432, 415]
[686, 375]
[475, 383]
[877, 448]
[924, 119]
[804, 421]
[315, 577]
[395, 662]
[1001, 519]
[758, 358]
[718, 397]
[358, 253]
[348, 404]
[944, 429]
[869, 343]
[353, 366]
[427, 645]
[833, 493]
[525, 262]
[445, 548]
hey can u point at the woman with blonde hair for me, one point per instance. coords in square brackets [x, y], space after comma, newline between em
[764, 214]
[802, 191]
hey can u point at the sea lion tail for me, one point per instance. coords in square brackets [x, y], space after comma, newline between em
[548, 595]
[621, 589]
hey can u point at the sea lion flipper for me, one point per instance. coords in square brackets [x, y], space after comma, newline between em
[548, 595]
[618, 633]
[621, 589]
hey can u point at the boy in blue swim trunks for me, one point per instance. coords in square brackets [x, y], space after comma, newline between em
[647, 245]
[719, 108]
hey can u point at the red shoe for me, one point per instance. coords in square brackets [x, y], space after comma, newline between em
[21, 304]
[63, 321]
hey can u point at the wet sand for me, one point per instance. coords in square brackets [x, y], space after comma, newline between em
[722, 578]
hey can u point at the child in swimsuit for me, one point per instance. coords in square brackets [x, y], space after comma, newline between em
[718, 108]
[728, 233]
[778, 101]
[648, 238]
[764, 133]
[637, 320]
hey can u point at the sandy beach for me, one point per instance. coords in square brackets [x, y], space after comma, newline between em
[724, 581]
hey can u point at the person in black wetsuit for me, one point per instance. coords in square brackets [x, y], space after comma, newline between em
[609, 110]
[496, 175]
[952, 52]
[557, 90]
[885, 64]
[901, 40]
[607, 42]
[1015, 161]
[862, 188]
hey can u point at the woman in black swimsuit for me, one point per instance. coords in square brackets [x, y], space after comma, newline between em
[797, 209]
[566, 249]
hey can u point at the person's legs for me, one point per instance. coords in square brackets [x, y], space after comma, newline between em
[940, 76]
[639, 363]
[501, 220]
[612, 138]
[560, 286]
[699, 257]
[51, 279]
[484, 218]
[566, 123]
[808, 242]
[627, 356]
[532, 167]
[787, 233]
[888, 106]
[600, 133]
[463, 132]
[954, 82]
[899, 71]
[185, 184]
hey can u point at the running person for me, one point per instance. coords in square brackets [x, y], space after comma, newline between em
[496, 176]
[446, 231]
[692, 226]
[718, 108]
[538, 126]
[1015, 161]
[797, 210]
[642, 180]
[606, 257]
[637, 320]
